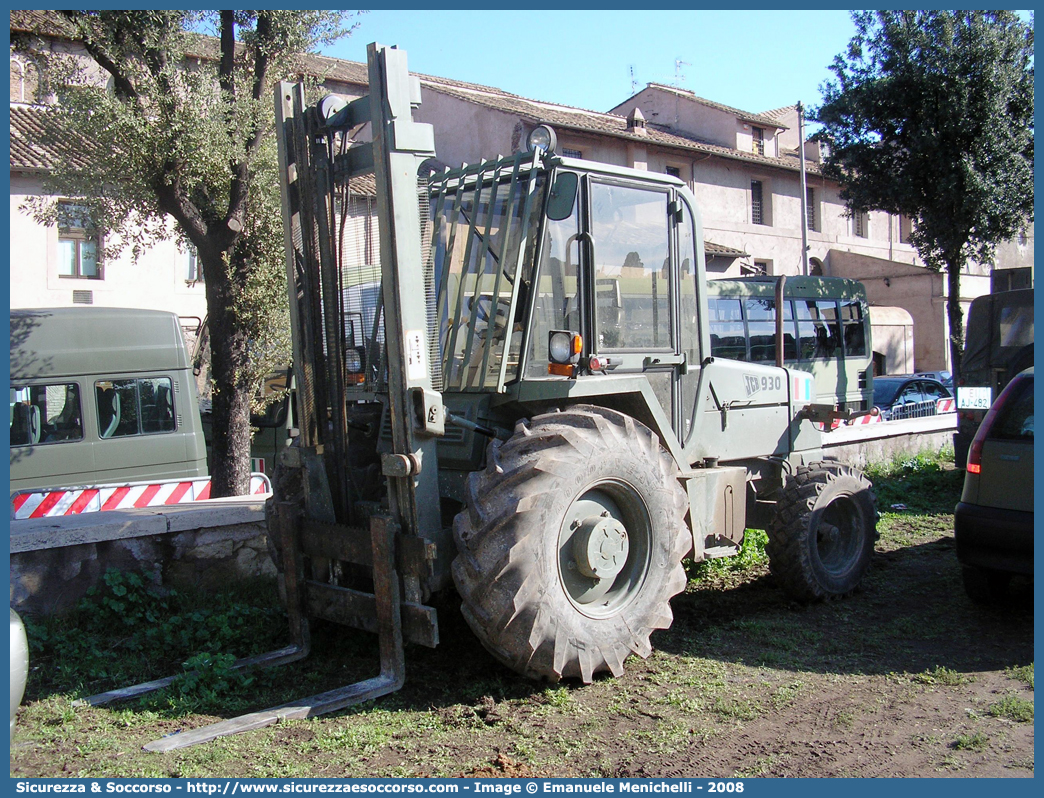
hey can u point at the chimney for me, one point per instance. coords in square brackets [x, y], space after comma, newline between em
[636, 123]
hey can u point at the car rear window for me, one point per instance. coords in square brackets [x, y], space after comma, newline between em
[1015, 419]
[885, 390]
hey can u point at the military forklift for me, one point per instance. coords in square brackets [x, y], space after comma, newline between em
[513, 395]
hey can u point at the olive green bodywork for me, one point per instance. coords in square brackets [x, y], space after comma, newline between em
[81, 353]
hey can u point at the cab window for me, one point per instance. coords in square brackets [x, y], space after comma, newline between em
[629, 226]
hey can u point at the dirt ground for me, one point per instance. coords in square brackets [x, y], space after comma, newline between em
[905, 678]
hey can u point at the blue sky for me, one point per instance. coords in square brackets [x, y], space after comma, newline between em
[752, 60]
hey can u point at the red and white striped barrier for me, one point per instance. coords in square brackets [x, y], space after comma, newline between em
[859, 421]
[73, 501]
[947, 405]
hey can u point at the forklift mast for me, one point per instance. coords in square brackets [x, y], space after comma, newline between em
[321, 166]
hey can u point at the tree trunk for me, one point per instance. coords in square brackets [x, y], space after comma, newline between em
[232, 392]
[955, 315]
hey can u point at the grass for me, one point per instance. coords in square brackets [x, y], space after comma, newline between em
[1014, 708]
[127, 631]
[942, 676]
[976, 741]
[1022, 673]
[723, 570]
[923, 483]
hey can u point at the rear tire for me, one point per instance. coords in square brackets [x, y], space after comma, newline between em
[822, 537]
[571, 543]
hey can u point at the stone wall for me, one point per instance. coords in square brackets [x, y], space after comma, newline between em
[209, 546]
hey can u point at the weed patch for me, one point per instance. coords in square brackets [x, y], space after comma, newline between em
[751, 556]
[924, 483]
[976, 741]
[942, 676]
[125, 631]
[1023, 673]
[1012, 707]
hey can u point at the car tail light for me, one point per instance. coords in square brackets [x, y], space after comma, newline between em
[974, 465]
[975, 456]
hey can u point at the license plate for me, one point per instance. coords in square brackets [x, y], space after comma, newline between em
[974, 398]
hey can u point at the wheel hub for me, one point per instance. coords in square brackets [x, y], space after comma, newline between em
[600, 547]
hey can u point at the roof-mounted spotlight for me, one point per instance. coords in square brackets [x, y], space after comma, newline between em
[543, 138]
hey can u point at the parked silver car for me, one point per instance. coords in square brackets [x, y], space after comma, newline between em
[993, 523]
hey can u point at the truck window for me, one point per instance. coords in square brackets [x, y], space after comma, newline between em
[727, 335]
[818, 336]
[555, 301]
[45, 414]
[852, 328]
[761, 326]
[134, 407]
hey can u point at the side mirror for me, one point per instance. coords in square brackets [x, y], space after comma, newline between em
[563, 195]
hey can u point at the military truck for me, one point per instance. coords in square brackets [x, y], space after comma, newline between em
[998, 344]
[101, 395]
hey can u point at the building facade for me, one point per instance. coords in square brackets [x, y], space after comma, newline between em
[743, 168]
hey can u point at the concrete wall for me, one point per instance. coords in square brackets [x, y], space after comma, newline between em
[210, 546]
[881, 443]
[920, 292]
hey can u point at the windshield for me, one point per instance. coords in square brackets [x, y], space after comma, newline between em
[485, 224]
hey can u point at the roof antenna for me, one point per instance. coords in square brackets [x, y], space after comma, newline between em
[634, 81]
[678, 76]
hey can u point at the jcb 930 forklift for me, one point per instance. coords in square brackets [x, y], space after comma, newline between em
[514, 396]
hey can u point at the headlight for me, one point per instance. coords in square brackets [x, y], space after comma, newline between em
[353, 362]
[543, 138]
[564, 346]
[559, 347]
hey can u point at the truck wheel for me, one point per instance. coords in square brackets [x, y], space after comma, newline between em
[983, 585]
[822, 537]
[570, 546]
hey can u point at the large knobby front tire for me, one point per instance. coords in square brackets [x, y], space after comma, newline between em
[570, 546]
[822, 537]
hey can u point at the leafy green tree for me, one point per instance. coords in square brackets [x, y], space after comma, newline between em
[930, 115]
[154, 122]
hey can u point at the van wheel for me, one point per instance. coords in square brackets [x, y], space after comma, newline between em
[822, 537]
[570, 546]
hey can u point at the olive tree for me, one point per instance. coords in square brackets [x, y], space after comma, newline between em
[930, 115]
[151, 121]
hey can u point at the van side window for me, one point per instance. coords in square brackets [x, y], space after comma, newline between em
[818, 334]
[727, 335]
[134, 407]
[45, 414]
